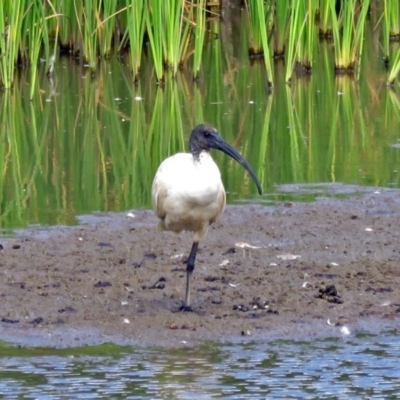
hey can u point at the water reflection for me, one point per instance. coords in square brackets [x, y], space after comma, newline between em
[362, 366]
[87, 143]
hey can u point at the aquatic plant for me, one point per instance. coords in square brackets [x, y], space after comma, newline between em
[154, 29]
[348, 32]
[199, 36]
[173, 33]
[391, 35]
[260, 26]
[134, 34]
[391, 14]
[281, 20]
[87, 29]
[295, 40]
[37, 40]
[395, 67]
[11, 17]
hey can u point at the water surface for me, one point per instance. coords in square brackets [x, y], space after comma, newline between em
[356, 366]
[93, 143]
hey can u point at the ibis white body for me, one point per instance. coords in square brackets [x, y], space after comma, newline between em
[187, 191]
[188, 194]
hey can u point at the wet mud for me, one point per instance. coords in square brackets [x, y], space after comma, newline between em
[292, 270]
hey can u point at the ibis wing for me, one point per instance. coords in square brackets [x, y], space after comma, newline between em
[159, 194]
[221, 204]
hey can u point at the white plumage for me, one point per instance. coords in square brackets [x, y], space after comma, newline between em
[188, 194]
[187, 191]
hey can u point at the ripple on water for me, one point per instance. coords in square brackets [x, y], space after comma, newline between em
[359, 367]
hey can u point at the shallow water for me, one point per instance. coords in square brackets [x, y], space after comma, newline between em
[356, 366]
[93, 143]
[87, 144]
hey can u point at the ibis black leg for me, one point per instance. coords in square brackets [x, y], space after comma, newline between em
[189, 270]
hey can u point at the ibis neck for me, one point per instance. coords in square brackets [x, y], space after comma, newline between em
[198, 153]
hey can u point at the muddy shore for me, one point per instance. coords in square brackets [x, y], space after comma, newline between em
[292, 270]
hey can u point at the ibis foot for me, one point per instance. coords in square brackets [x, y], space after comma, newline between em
[185, 308]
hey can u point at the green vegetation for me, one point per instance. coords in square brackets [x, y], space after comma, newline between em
[173, 33]
[94, 144]
[260, 28]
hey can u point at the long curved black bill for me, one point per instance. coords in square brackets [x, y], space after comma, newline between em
[220, 144]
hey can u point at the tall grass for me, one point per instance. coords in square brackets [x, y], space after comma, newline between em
[308, 39]
[392, 18]
[134, 34]
[199, 36]
[11, 18]
[89, 38]
[325, 19]
[68, 32]
[260, 27]
[281, 20]
[173, 33]
[348, 32]
[391, 35]
[395, 66]
[296, 28]
[97, 144]
[106, 15]
[154, 29]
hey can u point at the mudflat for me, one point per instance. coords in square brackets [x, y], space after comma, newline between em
[291, 270]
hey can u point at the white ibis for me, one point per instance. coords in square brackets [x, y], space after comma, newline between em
[187, 191]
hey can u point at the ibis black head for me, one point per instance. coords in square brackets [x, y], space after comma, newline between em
[205, 137]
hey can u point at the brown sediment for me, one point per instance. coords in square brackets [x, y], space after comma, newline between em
[268, 272]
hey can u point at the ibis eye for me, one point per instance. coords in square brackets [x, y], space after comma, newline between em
[207, 134]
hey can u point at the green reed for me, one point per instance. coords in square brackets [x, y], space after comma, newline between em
[96, 143]
[106, 14]
[395, 65]
[391, 15]
[177, 32]
[37, 40]
[134, 34]
[325, 19]
[66, 23]
[199, 36]
[87, 28]
[11, 17]
[154, 28]
[281, 23]
[308, 39]
[348, 32]
[296, 37]
[260, 18]
[391, 35]
[302, 37]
